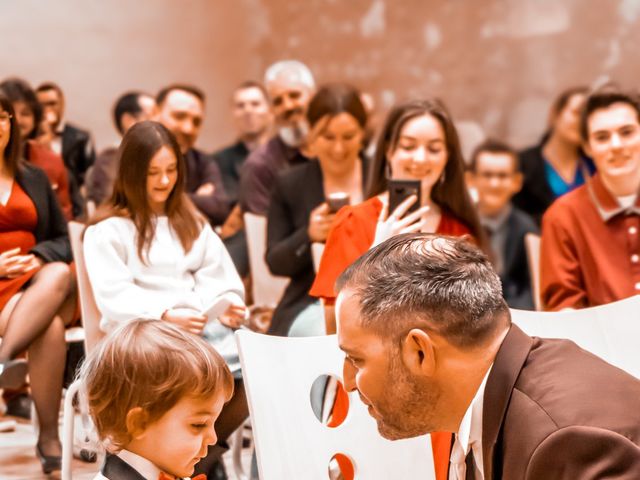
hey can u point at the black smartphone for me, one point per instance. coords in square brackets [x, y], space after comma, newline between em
[337, 200]
[400, 190]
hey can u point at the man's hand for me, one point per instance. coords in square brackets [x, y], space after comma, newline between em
[205, 189]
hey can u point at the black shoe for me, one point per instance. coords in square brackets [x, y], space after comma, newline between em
[13, 374]
[20, 406]
[49, 463]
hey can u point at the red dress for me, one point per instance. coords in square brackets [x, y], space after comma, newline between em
[18, 219]
[352, 234]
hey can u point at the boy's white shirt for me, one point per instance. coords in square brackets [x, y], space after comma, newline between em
[143, 466]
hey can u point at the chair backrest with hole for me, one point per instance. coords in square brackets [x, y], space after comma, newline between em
[317, 249]
[267, 288]
[610, 331]
[88, 308]
[291, 442]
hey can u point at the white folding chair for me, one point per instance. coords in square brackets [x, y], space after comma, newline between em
[609, 331]
[532, 245]
[93, 334]
[290, 441]
[267, 288]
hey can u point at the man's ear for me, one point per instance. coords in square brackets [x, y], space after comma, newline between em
[418, 353]
[518, 179]
[137, 422]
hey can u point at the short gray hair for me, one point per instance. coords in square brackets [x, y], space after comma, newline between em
[441, 284]
[293, 70]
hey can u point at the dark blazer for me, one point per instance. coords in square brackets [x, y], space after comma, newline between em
[535, 196]
[114, 468]
[516, 279]
[52, 238]
[230, 161]
[555, 411]
[78, 155]
[202, 169]
[77, 151]
[296, 192]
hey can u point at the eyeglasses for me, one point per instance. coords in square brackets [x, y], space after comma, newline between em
[5, 117]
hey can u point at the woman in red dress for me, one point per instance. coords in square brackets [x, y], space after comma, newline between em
[29, 115]
[36, 287]
[418, 142]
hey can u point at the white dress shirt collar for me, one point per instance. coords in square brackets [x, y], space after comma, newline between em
[143, 466]
[469, 436]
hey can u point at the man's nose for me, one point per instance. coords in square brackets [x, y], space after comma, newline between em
[616, 141]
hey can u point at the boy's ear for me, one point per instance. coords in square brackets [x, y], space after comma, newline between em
[137, 421]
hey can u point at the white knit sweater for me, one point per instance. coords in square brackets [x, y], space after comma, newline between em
[126, 288]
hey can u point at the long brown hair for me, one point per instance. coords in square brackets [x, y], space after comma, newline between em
[11, 155]
[451, 192]
[129, 198]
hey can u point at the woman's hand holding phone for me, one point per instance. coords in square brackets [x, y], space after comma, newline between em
[399, 222]
[320, 221]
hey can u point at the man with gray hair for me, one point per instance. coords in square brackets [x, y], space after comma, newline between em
[425, 314]
[290, 86]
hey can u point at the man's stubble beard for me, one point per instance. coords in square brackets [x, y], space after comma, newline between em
[410, 411]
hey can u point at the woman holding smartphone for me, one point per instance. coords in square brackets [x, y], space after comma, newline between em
[151, 254]
[305, 199]
[419, 143]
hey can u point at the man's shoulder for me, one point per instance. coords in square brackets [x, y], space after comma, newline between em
[75, 131]
[571, 204]
[231, 152]
[558, 377]
[523, 221]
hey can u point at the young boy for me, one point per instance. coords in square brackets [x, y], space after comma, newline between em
[154, 393]
[494, 173]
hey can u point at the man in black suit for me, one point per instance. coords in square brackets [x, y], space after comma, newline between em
[494, 173]
[181, 110]
[73, 143]
[430, 347]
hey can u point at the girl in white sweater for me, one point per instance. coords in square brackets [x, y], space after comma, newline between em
[151, 254]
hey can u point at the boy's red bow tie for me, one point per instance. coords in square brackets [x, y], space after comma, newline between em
[166, 476]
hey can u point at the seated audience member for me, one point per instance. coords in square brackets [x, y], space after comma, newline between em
[129, 109]
[298, 216]
[590, 252]
[154, 393]
[290, 86]
[181, 110]
[418, 141]
[29, 116]
[71, 142]
[151, 254]
[429, 346]
[557, 164]
[496, 177]
[36, 287]
[253, 120]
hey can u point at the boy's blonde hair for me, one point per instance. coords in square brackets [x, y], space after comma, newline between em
[149, 364]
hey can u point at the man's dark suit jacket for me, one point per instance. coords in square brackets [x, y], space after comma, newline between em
[555, 411]
[203, 169]
[516, 279]
[78, 155]
[230, 161]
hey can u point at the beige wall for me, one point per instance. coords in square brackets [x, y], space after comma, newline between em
[495, 62]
